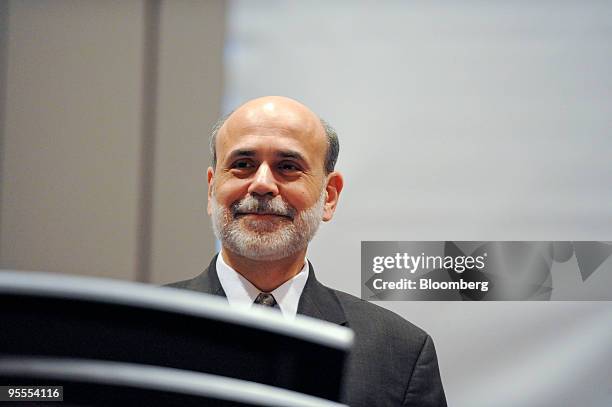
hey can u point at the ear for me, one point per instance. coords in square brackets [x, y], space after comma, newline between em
[210, 173]
[335, 183]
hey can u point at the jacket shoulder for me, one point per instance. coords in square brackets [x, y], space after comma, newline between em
[362, 312]
[206, 282]
[202, 283]
[393, 355]
[185, 284]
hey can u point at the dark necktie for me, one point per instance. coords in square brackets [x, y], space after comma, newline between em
[265, 299]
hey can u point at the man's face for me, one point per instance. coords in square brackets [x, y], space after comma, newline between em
[269, 190]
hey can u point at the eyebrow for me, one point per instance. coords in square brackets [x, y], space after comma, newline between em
[290, 154]
[241, 153]
[251, 153]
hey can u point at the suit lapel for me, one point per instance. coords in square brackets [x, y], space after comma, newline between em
[318, 301]
[208, 282]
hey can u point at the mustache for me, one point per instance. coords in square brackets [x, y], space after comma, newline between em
[263, 206]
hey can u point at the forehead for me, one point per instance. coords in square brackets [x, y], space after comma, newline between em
[270, 128]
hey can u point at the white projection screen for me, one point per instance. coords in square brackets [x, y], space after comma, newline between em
[458, 121]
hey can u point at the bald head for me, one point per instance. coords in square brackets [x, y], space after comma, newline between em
[278, 115]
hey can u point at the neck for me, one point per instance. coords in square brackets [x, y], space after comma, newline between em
[266, 275]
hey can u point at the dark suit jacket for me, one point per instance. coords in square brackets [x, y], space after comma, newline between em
[392, 363]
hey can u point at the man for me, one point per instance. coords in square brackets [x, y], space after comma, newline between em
[272, 182]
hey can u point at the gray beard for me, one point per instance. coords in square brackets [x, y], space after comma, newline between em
[264, 239]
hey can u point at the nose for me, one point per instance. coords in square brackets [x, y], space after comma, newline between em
[264, 182]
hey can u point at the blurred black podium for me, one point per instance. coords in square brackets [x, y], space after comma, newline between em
[111, 343]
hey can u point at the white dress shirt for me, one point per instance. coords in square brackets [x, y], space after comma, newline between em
[241, 293]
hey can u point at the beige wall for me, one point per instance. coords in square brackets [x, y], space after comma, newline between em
[86, 144]
[190, 92]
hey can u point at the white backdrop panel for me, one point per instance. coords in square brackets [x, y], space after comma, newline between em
[457, 121]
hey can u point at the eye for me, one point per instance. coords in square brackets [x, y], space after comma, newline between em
[288, 166]
[242, 164]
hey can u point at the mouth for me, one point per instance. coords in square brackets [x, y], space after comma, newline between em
[261, 215]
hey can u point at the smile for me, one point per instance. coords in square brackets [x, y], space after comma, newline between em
[258, 214]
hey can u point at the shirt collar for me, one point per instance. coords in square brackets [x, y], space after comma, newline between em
[241, 293]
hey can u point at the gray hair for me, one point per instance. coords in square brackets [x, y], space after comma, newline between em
[333, 144]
